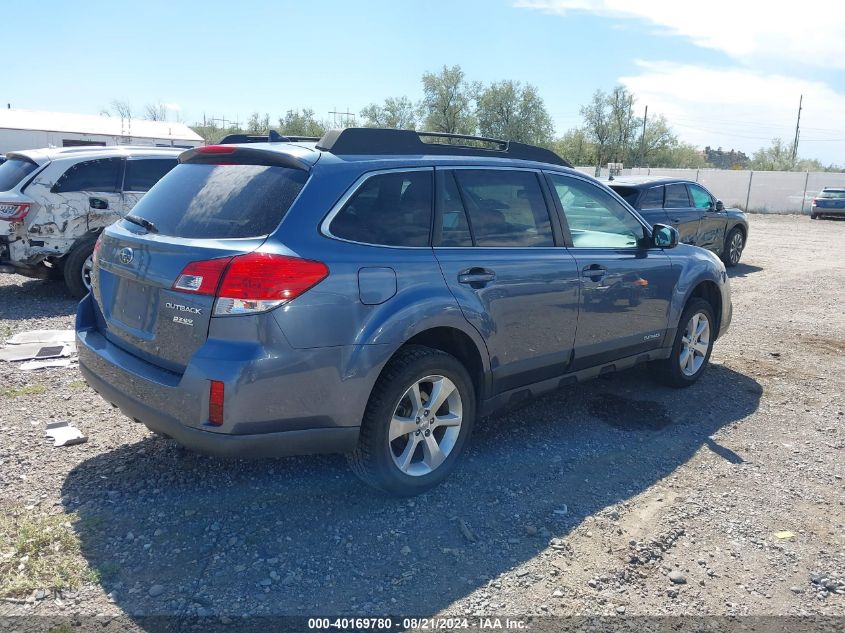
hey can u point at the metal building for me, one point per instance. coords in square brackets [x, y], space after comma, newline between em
[30, 129]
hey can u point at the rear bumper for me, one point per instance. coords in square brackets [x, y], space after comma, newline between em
[823, 211]
[279, 444]
[278, 400]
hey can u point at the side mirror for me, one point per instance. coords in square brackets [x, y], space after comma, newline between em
[720, 206]
[663, 236]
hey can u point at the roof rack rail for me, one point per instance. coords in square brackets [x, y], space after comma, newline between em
[382, 141]
[272, 137]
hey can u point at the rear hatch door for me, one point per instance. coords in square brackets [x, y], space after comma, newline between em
[208, 209]
[831, 199]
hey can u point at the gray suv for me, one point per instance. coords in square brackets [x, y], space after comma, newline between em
[375, 292]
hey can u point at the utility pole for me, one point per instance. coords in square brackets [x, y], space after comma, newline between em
[797, 131]
[339, 116]
[642, 139]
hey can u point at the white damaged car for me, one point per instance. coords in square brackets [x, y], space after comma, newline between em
[55, 202]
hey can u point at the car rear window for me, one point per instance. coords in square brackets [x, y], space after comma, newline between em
[629, 194]
[198, 201]
[13, 171]
[827, 193]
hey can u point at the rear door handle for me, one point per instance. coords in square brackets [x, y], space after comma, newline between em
[474, 276]
[596, 272]
[676, 220]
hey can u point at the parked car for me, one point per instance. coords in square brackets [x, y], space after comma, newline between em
[55, 202]
[700, 218]
[375, 292]
[829, 203]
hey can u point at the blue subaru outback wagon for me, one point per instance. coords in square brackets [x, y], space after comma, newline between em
[374, 292]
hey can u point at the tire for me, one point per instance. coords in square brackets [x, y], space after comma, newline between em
[669, 370]
[813, 216]
[74, 264]
[377, 459]
[734, 245]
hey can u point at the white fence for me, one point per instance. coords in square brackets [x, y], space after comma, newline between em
[758, 191]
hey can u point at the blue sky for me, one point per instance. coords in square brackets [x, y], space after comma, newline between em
[230, 59]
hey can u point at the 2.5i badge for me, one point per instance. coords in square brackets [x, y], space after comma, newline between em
[183, 320]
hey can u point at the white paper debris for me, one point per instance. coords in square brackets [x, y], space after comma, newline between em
[63, 434]
[32, 365]
[28, 351]
[42, 336]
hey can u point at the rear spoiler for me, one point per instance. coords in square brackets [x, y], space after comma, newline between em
[235, 155]
[272, 137]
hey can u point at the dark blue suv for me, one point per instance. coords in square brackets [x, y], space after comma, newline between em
[374, 292]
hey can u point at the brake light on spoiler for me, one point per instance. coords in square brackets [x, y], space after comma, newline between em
[14, 211]
[250, 283]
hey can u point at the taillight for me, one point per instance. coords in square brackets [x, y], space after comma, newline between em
[815, 202]
[95, 256]
[202, 278]
[14, 211]
[255, 282]
[216, 397]
[216, 149]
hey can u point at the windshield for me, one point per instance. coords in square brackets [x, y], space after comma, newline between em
[13, 171]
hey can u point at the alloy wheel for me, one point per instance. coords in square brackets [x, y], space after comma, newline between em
[695, 344]
[426, 425]
[736, 248]
[87, 267]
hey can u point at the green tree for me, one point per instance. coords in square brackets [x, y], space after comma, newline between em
[598, 125]
[511, 111]
[658, 145]
[576, 147]
[395, 112]
[258, 124]
[775, 157]
[623, 124]
[301, 123]
[447, 102]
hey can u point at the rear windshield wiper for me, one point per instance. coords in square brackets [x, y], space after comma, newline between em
[134, 219]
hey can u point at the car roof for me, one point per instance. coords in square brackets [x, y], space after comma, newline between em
[643, 181]
[308, 152]
[46, 154]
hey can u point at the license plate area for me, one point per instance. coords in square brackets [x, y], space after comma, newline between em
[136, 307]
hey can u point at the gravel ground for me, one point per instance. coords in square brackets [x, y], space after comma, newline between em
[618, 496]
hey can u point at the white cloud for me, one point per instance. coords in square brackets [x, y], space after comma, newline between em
[173, 107]
[741, 108]
[807, 33]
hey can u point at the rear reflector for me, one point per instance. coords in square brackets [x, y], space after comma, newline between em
[251, 283]
[215, 402]
[202, 278]
[13, 211]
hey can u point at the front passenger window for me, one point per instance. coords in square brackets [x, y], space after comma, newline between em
[700, 198]
[595, 218]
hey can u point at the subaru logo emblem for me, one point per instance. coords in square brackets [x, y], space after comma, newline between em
[125, 255]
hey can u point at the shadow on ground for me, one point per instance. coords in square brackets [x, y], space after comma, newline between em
[35, 298]
[302, 536]
[743, 270]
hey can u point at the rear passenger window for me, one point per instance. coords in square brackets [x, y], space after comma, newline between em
[676, 197]
[93, 175]
[392, 209]
[143, 173]
[505, 207]
[652, 199]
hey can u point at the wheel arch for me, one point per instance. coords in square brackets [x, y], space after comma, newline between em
[709, 291]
